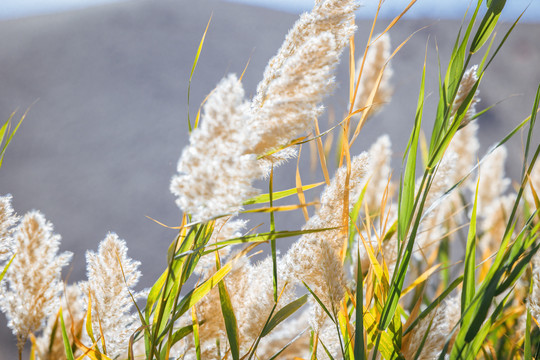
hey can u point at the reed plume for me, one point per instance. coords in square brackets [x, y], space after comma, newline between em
[33, 279]
[112, 275]
[8, 219]
[231, 147]
[376, 65]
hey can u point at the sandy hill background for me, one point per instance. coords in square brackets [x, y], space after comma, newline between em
[107, 88]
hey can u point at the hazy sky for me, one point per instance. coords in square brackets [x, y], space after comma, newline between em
[19, 8]
[453, 9]
[444, 9]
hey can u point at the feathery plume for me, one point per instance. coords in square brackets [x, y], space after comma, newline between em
[111, 302]
[380, 154]
[314, 258]
[534, 298]
[218, 167]
[50, 345]
[494, 222]
[215, 170]
[299, 258]
[465, 145]
[438, 208]
[8, 219]
[493, 182]
[33, 278]
[256, 302]
[442, 320]
[329, 336]
[465, 87]
[301, 74]
[375, 64]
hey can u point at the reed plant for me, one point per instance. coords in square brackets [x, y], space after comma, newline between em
[437, 260]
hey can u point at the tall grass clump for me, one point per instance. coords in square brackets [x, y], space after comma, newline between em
[436, 261]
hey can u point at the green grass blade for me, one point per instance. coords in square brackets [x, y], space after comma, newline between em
[447, 92]
[504, 39]
[532, 122]
[477, 342]
[181, 333]
[487, 25]
[469, 282]
[423, 342]
[527, 351]
[326, 351]
[275, 356]
[231, 325]
[196, 336]
[8, 141]
[4, 128]
[264, 198]
[354, 218]
[262, 237]
[359, 345]
[197, 294]
[284, 313]
[434, 304]
[484, 58]
[319, 302]
[193, 69]
[272, 237]
[406, 211]
[154, 294]
[67, 345]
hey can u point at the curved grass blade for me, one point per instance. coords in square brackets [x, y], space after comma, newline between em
[272, 238]
[179, 335]
[469, 282]
[434, 304]
[487, 25]
[196, 337]
[257, 238]
[406, 209]
[231, 325]
[193, 69]
[264, 198]
[3, 132]
[423, 342]
[527, 351]
[359, 343]
[197, 294]
[67, 345]
[287, 345]
[284, 313]
[4, 271]
[319, 302]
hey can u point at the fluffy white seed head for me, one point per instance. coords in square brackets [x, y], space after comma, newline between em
[534, 298]
[301, 74]
[215, 171]
[380, 156]
[493, 182]
[375, 65]
[112, 275]
[465, 87]
[442, 321]
[33, 279]
[8, 219]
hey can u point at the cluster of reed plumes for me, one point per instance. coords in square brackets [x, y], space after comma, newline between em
[431, 264]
